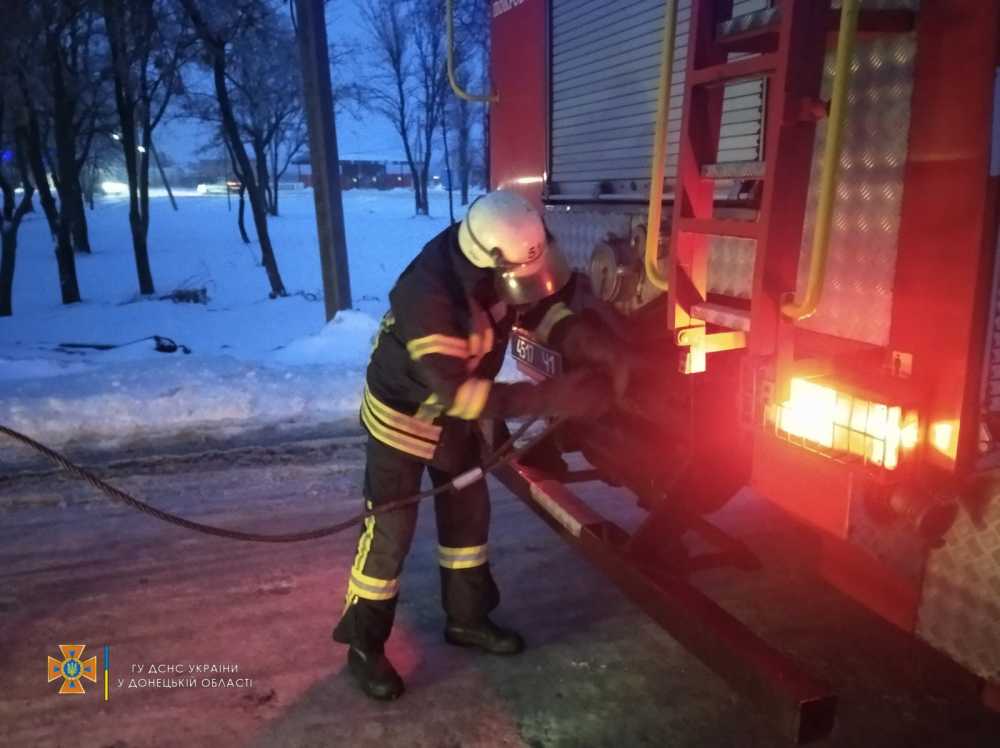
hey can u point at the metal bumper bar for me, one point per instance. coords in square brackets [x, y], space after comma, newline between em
[803, 707]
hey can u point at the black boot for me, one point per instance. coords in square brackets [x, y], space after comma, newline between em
[484, 635]
[375, 674]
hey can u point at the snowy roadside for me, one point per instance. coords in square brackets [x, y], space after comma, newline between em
[257, 365]
[313, 385]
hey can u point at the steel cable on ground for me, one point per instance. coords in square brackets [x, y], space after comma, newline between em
[502, 455]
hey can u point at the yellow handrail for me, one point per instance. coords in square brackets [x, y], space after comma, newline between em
[806, 307]
[459, 91]
[658, 169]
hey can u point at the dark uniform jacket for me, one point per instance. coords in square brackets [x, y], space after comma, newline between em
[438, 349]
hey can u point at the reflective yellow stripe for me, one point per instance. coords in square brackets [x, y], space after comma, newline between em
[407, 424]
[557, 312]
[364, 547]
[445, 550]
[372, 588]
[394, 438]
[383, 584]
[461, 558]
[384, 326]
[443, 344]
[470, 399]
[356, 591]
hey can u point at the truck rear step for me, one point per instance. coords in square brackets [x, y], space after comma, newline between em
[803, 707]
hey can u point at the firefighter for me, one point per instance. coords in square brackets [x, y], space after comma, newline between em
[429, 379]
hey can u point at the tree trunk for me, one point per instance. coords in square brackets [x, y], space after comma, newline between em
[464, 157]
[240, 213]
[7, 255]
[417, 205]
[254, 189]
[8, 198]
[274, 175]
[6, 187]
[425, 172]
[231, 131]
[263, 178]
[125, 103]
[144, 181]
[8, 236]
[91, 186]
[464, 165]
[81, 236]
[33, 139]
[66, 160]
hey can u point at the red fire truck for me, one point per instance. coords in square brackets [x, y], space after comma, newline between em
[790, 210]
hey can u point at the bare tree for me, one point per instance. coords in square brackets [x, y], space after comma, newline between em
[217, 30]
[9, 226]
[75, 60]
[472, 21]
[8, 175]
[148, 49]
[292, 135]
[432, 79]
[289, 139]
[459, 118]
[103, 154]
[411, 82]
[58, 78]
[35, 146]
[267, 100]
[12, 142]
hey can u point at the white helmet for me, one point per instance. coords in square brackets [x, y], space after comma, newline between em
[502, 230]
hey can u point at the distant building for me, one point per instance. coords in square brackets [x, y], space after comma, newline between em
[359, 173]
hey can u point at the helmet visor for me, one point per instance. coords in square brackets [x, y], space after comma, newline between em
[529, 282]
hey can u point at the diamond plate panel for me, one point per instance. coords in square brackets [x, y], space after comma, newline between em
[895, 544]
[730, 265]
[857, 298]
[577, 232]
[730, 259]
[960, 605]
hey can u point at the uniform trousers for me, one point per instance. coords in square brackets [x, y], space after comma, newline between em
[468, 592]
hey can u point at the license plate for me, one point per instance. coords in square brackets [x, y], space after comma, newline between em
[535, 357]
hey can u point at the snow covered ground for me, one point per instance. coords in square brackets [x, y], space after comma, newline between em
[255, 362]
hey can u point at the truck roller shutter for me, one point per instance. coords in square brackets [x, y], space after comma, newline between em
[605, 60]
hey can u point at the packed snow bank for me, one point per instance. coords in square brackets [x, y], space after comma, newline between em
[311, 383]
[345, 341]
[146, 399]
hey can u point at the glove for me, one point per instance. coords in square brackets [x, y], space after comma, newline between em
[583, 394]
[584, 342]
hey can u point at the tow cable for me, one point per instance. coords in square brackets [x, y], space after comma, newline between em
[502, 455]
[162, 344]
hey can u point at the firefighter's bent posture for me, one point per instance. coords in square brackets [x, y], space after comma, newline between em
[430, 378]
